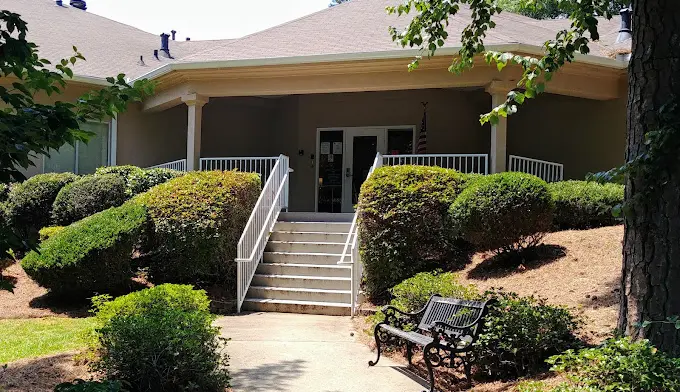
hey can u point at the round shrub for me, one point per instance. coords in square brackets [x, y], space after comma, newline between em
[87, 196]
[160, 339]
[503, 212]
[403, 224]
[91, 255]
[585, 204]
[4, 192]
[142, 181]
[412, 294]
[520, 333]
[47, 232]
[91, 386]
[124, 172]
[197, 221]
[29, 205]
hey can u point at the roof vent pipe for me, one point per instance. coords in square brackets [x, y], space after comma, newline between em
[60, 3]
[173, 32]
[80, 4]
[188, 39]
[155, 54]
[165, 45]
[625, 32]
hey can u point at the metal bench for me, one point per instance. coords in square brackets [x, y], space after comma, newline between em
[446, 328]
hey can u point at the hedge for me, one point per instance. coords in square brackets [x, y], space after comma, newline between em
[4, 191]
[87, 196]
[503, 212]
[29, 205]
[160, 339]
[403, 224]
[91, 255]
[51, 231]
[141, 181]
[197, 220]
[584, 204]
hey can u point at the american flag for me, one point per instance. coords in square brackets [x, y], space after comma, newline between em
[422, 138]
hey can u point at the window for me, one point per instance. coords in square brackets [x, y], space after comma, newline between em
[83, 158]
[399, 141]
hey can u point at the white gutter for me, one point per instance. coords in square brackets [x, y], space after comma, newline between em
[90, 80]
[382, 55]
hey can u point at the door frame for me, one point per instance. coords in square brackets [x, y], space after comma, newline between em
[346, 132]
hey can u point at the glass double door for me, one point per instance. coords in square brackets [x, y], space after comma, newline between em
[345, 158]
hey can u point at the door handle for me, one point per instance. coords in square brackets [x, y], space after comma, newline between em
[348, 172]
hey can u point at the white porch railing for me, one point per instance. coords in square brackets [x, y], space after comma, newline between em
[548, 171]
[352, 245]
[272, 200]
[179, 165]
[262, 165]
[464, 163]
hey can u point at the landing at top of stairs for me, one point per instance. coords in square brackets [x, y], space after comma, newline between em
[314, 217]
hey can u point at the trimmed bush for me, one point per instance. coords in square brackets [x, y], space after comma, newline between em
[124, 172]
[47, 232]
[197, 221]
[584, 204]
[620, 365]
[503, 212]
[29, 206]
[403, 224]
[91, 386]
[520, 333]
[412, 294]
[142, 181]
[87, 196]
[160, 339]
[92, 255]
[4, 192]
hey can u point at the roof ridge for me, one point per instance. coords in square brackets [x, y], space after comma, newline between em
[236, 40]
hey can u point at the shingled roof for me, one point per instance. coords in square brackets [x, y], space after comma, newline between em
[354, 27]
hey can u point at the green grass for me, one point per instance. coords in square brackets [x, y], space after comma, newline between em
[30, 338]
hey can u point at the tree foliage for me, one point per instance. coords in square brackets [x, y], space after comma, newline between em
[548, 9]
[28, 128]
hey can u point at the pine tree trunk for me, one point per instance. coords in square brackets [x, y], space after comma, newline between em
[651, 251]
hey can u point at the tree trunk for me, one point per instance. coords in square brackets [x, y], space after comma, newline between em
[651, 251]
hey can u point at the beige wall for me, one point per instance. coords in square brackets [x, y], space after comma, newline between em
[147, 139]
[584, 135]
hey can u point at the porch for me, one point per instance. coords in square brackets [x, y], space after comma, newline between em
[332, 139]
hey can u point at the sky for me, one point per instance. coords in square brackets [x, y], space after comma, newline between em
[204, 19]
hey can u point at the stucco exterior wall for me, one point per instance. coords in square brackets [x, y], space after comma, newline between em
[584, 135]
[147, 139]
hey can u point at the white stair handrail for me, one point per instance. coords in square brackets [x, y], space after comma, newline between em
[548, 171]
[273, 199]
[179, 165]
[352, 244]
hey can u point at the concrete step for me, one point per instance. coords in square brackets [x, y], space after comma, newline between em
[292, 306]
[315, 217]
[299, 294]
[309, 236]
[340, 271]
[303, 282]
[305, 247]
[318, 227]
[303, 258]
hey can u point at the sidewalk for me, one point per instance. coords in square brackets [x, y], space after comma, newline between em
[277, 352]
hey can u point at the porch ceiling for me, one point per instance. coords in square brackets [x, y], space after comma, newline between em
[578, 80]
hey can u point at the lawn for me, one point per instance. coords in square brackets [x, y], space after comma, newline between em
[31, 338]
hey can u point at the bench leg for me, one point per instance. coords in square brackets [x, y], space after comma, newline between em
[409, 352]
[468, 369]
[377, 343]
[430, 370]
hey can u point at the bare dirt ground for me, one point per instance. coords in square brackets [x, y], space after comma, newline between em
[578, 269]
[41, 374]
[32, 301]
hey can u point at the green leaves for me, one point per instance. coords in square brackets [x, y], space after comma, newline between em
[427, 31]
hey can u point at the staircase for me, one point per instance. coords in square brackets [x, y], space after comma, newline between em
[299, 272]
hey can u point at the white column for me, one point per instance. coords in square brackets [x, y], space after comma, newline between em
[113, 142]
[499, 132]
[194, 104]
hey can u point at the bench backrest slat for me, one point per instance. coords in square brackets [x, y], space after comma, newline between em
[453, 311]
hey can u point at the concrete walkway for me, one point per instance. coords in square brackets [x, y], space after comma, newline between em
[278, 352]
